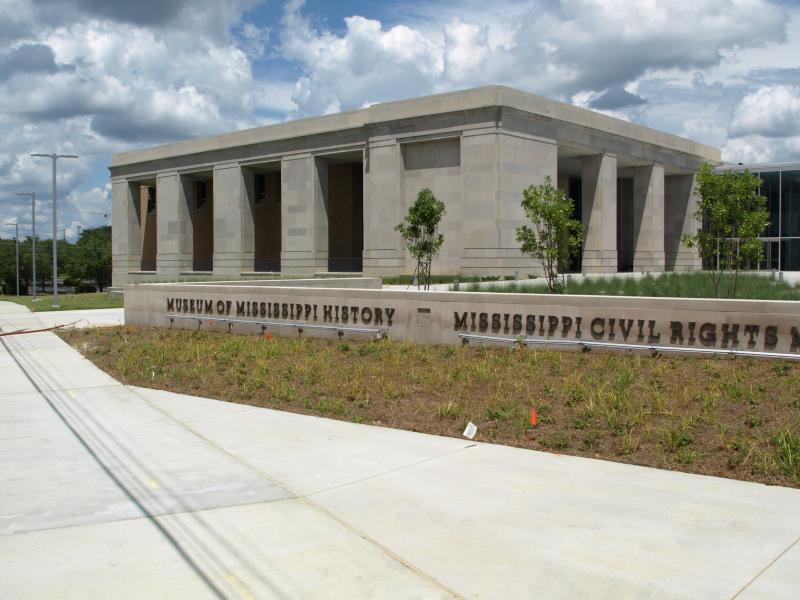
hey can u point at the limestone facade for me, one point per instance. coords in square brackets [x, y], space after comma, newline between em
[325, 194]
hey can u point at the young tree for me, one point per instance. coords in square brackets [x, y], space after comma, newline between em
[43, 264]
[731, 215]
[8, 267]
[90, 257]
[420, 231]
[556, 237]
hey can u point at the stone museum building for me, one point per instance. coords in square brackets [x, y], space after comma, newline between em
[324, 194]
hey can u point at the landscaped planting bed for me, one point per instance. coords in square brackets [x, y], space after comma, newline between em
[668, 285]
[731, 418]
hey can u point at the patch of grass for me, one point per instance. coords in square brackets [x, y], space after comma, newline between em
[67, 302]
[678, 436]
[582, 421]
[500, 411]
[686, 456]
[448, 410]
[576, 394]
[731, 418]
[781, 368]
[557, 441]
[754, 420]
[708, 401]
[335, 408]
[671, 285]
[788, 453]
[407, 279]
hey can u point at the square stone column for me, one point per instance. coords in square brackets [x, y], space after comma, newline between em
[599, 208]
[304, 216]
[648, 218]
[480, 199]
[680, 206]
[495, 168]
[125, 233]
[229, 241]
[384, 249]
[174, 225]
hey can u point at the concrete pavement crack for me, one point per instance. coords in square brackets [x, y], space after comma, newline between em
[388, 471]
[764, 570]
[160, 515]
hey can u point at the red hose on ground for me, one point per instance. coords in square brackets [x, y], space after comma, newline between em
[21, 331]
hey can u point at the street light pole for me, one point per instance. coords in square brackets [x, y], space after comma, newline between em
[54, 157]
[16, 229]
[16, 246]
[33, 236]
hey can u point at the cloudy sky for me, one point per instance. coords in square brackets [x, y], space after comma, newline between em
[94, 77]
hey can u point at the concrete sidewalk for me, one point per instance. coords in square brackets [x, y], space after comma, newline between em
[114, 491]
[95, 317]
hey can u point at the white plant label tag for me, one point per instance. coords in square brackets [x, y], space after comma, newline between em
[471, 430]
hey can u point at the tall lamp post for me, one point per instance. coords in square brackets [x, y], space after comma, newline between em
[16, 246]
[33, 236]
[54, 157]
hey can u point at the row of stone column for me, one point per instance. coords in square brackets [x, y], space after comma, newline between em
[663, 212]
[495, 166]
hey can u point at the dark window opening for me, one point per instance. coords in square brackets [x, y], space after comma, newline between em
[790, 194]
[345, 217]
[201, 195]
[770, 189]
[203, 226]
[147, 221]
[625, 218]
[151, 200]
[267, 221]
[261, 190]
[575, 192]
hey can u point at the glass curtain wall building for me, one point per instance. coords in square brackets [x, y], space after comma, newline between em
[780, 185]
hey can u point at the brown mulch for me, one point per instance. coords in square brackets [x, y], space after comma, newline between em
[731, 418]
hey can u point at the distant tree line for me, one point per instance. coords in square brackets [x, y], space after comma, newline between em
[84, 265]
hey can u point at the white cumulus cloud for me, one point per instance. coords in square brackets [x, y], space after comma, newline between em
[770, 111]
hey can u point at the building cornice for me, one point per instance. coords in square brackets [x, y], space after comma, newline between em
[377, 114]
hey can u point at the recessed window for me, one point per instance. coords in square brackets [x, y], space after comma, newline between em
[151, 200]
[260, 190]
[201, 194]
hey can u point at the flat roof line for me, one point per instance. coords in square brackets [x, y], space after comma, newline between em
[483, 97]
[780, 166]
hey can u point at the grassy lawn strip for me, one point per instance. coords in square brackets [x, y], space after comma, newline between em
[67, 301]
[672, 285]
[460, 279]
[732, 418]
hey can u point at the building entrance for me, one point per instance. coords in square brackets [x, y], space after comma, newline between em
[345, 206]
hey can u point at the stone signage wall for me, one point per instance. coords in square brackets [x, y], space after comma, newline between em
[439, 317]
